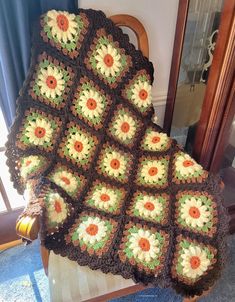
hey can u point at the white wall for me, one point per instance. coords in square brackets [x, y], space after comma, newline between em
[159, 20]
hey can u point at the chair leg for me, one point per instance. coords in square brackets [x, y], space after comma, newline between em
[45, 258]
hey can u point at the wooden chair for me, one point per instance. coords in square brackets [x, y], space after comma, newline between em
[28, 227]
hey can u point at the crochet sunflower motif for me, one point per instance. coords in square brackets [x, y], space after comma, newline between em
[64, 31]
[90, 103]
[124, 126]
[138, 92]
[114, 163]
[32, 165]
[150, 207]
[152, 172]
[196, 211]
[192, 260]
[52, 81]
[38, 130]
[58, 209]
[187, 170]
[105, 197]
[113, 190]
[69, 181]
[78, 145]
[106, 59]
[155, 141]
[144, 247]
[92, 233]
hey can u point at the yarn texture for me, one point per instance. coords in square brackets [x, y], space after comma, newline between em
[113, 191]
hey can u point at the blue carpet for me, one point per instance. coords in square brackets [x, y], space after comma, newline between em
[22, 279]
[22, 276]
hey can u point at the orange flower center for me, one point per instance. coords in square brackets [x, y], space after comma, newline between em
[144, 244]
[39, 132]
[78, 146]
[57, 206]
[28, 162]
[149, 206]
[143, 94]
[188, 163]
[51, 82]
[108, 60]
[125, 127]
[153, 171]
[62, 22]
[91, 104]
[115, 164]
[194, 212]
[156, 139]
[92, 229]
[104, 197]
[195, 262]
[65, 180]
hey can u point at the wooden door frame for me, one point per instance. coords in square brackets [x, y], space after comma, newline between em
[175, 63]
[218, 89]
[218, 86]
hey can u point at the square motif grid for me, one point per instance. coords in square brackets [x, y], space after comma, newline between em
[78, 145]
[192, 260]
[38, 130]
[51, 82]
[90, 103]
[144, 247]
[92, 233]
[64, 31]
[124, 126]
[107, 59]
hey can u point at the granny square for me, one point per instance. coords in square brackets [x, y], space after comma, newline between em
[153, 171]
[187, 170]
[91, 103]
[144, 247]
[32, 165]
[105, 197]
[151, 207]
[115, 163]
[64, 31]
[39, 130]
[78, 145]
[124, 126]
[71, 182]
[92, 233]
[196, 211]
[58, 209]
[51, 81]
[107, 59]
[155, 141]
[138, 92]
[192, 260]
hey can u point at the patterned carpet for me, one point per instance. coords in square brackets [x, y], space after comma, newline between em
[22, 279]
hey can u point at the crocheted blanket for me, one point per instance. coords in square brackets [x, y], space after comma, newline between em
[114, 192]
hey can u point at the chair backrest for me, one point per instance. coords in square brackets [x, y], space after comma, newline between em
[137, 27]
